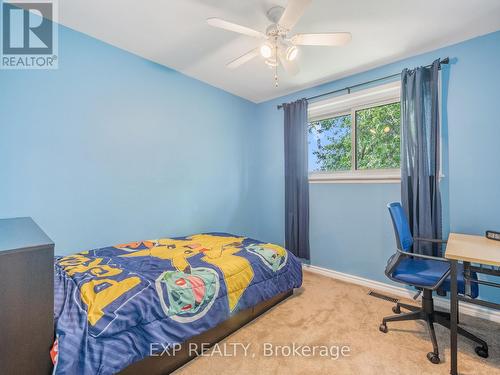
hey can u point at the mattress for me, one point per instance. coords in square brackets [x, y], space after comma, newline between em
[119, 304]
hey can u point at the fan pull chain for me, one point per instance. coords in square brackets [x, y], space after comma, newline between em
[276, 66]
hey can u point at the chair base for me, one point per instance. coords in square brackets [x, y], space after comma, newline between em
[430, 316]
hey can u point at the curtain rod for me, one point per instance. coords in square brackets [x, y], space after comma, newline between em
[446, 60]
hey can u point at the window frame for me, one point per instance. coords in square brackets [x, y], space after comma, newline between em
[372, 99]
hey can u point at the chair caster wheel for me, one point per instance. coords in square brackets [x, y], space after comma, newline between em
[433, 358]
[383, 328]
[396, 309]
[481, 351]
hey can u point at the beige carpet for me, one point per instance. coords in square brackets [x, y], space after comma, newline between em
[329, 312]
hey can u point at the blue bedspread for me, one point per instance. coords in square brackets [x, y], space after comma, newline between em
[115, 305]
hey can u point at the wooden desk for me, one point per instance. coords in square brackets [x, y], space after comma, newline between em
[473, 249]
[468, 249]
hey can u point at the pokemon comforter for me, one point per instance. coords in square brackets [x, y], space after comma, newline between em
[114, 304]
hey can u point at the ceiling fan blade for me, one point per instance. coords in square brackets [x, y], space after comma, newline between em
[243, 59]
[293, 11]
[226, 25]
[291, 67]
[323, 39]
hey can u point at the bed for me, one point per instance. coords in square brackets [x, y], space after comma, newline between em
[125, 308]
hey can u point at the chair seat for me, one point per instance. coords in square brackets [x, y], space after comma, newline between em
[427, 272]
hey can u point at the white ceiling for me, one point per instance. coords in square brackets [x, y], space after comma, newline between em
[174, 33]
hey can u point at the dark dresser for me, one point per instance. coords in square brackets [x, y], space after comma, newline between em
[26, 298]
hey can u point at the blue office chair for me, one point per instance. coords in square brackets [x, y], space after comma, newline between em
[427, 274]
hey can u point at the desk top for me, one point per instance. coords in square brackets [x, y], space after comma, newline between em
[474, 249]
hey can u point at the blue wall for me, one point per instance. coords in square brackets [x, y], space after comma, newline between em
[112, 148]
[350, 227]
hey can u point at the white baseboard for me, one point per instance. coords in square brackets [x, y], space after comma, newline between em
[442, 303]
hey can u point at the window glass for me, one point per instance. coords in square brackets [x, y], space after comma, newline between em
[330, 144]
[378, 137]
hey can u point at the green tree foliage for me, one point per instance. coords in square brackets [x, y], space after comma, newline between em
[335, 153]
[377, 139]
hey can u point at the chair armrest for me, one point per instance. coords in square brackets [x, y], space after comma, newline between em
[433, 240]
[440, 259]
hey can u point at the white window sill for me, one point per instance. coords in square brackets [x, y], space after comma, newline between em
[392, 176]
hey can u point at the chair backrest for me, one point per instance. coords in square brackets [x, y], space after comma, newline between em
[404, 239]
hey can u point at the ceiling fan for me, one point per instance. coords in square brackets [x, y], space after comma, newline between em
[277, 47]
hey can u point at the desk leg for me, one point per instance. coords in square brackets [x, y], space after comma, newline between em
[453, 317]
[467, 277]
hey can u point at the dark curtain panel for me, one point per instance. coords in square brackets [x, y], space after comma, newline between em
[296, 179]
[420, 155]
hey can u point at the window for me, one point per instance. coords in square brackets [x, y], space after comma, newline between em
[330, 147]
[377, 137]
[356, 136]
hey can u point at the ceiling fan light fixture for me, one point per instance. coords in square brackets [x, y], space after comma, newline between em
[275, 46]
[291, 53]
[271, 62]
[266, 50]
